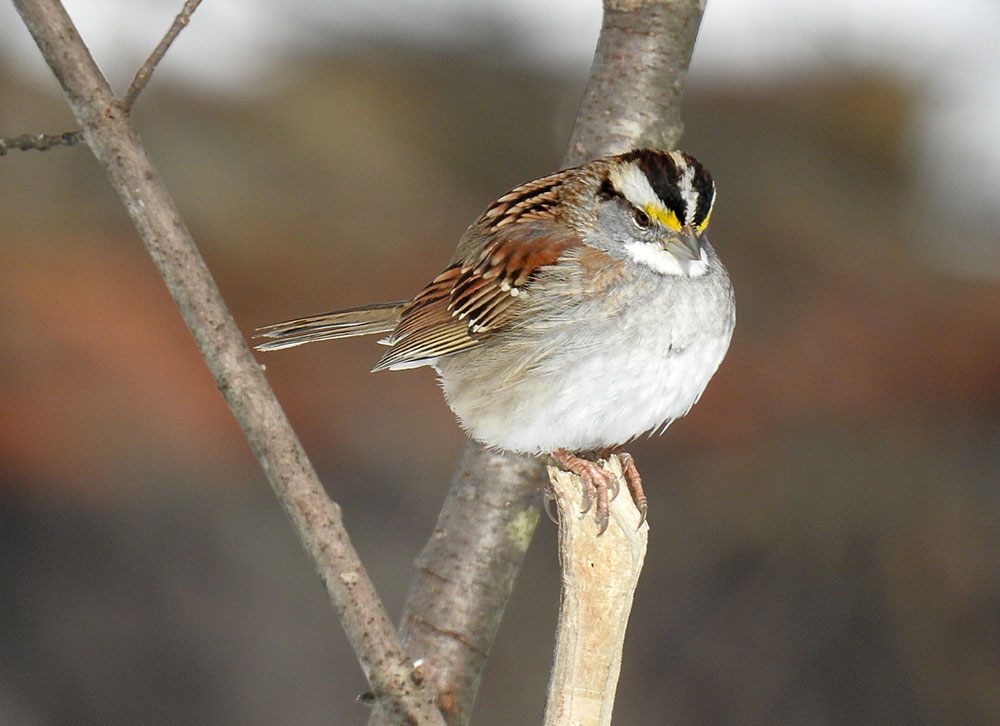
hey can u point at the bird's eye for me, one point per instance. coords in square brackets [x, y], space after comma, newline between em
[641, 219]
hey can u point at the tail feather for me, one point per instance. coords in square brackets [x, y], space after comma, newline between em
[367, 320]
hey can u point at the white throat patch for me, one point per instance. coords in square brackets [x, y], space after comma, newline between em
[659, 260]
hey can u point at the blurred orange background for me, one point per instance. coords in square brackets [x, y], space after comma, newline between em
[825, 529]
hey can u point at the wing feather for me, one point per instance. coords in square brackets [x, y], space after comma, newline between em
[473, 298]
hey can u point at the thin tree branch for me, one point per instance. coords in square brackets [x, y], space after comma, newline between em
[316, 518]
[39, 142]
[599, 575]
[145, 71]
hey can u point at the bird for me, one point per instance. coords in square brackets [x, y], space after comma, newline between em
[578, 312]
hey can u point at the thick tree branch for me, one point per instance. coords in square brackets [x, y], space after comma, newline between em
[316, 519]
[632, 99]
[465, 574]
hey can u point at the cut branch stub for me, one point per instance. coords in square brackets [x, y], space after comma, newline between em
[599, 576]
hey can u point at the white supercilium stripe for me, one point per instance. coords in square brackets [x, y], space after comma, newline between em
[686, 186]
[632, 182]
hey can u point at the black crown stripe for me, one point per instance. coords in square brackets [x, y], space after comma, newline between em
[664, 177]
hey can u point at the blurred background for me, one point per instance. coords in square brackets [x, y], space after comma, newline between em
[825, 523]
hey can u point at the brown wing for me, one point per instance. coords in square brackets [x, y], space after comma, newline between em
[472, 299]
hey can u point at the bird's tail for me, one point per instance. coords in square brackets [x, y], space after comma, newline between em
[367, 320]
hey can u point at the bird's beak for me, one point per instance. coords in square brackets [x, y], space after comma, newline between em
[684, 245]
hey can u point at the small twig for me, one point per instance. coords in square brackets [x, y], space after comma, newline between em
[44, 142]
[40, 142]
[599, 575]
[146, 69]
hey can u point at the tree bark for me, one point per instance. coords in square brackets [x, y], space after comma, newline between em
[633, 97]
[464, 576]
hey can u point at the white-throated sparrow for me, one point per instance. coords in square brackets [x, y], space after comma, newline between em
[580, 310]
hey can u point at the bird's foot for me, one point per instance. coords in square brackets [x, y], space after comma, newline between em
[632, 480]
[634, 483]
[598, 484]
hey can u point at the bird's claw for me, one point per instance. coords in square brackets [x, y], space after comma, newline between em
[596, 482]
[634, 483]
[601, 486]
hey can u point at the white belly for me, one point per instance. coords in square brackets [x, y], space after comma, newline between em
[598, 401]
[595, 378]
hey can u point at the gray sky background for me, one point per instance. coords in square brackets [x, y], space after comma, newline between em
[947, 52]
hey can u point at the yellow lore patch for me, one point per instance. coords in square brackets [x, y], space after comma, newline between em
[666, 217]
